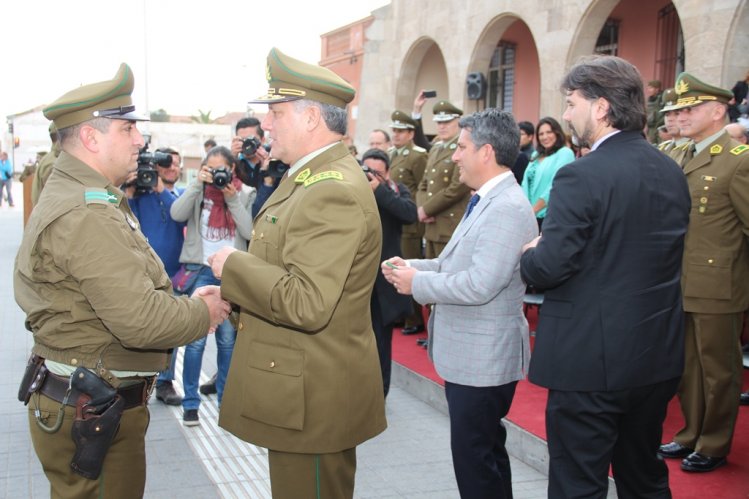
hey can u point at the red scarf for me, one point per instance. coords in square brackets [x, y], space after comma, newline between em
[220, 222]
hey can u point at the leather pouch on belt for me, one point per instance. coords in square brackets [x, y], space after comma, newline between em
[33, 377]
[97, 418]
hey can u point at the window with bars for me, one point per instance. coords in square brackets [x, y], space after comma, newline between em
[502, 76]
[669, 45]
[608, 38]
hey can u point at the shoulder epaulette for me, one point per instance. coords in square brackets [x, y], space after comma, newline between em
[96, 195]
[318, 177]
[418, 149]
[739, 149]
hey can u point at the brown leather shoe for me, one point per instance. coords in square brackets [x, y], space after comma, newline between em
[673, 450]
[701, 463]
[165, 392]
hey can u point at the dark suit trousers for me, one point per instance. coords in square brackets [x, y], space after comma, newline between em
[384, 338]
[587, 431]
[477, 439]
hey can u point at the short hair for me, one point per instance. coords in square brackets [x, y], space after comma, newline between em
[614, 79]
[222, 151]
[384, 133]
[336, 118]
[69, 135]
[378, 154]
[249, 122]
[210, 143]
[498, 129]
[527, 127]
[556, 128]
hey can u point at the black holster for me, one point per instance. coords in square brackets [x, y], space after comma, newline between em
[98, 411]
[33, 377]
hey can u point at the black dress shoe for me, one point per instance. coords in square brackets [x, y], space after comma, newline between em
[701, 463]
[744, 398]
[412, 330]
[673, 450]
[210, 387]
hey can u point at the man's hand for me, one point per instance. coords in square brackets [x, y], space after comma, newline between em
[218, 259]
[423, 217]
[401, 277]
[159, 185]
[236, 145]
[218, 308]
[531, 244]
[419, 102]
[229, 191]
[374, 181]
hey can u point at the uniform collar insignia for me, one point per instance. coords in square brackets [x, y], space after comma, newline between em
[303, 175]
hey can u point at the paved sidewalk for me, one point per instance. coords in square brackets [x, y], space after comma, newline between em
[411, 459]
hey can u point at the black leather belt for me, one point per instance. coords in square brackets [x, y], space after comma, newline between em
[55, 387]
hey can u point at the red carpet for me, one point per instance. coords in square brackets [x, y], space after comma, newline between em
[728, 482]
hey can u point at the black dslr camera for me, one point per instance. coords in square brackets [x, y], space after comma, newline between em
[221, 177]
[147, 176]
[250, 146]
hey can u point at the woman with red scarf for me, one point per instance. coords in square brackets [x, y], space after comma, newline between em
[216, 207]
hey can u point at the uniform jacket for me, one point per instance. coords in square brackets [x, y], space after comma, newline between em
[305, 374]
[441, 193]
[716, 255]
[91, 286]
[407, 167]
[610, 262]
[478, 332]
[395, 210]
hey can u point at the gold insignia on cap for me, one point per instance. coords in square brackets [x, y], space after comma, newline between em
[681, 87]
[716, 149]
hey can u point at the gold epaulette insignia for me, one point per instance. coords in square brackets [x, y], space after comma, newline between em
[329, 175]
[716, 149]
[303, 175]
[739, 149]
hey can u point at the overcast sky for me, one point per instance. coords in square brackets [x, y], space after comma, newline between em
[185, 55]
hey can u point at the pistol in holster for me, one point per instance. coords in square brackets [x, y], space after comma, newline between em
[98, 411]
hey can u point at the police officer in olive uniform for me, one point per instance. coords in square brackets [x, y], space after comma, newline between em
[714, 277]
[44, 169]
[305, 377]
[408, 162]
[96, 296]
[669, 117]
[442, 198]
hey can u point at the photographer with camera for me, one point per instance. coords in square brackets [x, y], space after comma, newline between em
[396, 208]
[151, 205]
[254, 164]
[216, 208]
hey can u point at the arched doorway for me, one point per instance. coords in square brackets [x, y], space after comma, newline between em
[423, 68]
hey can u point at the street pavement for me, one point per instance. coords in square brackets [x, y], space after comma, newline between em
[411, 459]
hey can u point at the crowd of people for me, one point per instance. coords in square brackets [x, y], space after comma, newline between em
[633, 226]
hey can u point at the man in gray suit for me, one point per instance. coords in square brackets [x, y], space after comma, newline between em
[478, 333]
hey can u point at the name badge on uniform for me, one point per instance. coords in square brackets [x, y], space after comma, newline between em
[708, 178]
[132, 223]
[271, 219]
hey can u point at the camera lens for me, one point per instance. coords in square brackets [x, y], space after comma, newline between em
[221, 177]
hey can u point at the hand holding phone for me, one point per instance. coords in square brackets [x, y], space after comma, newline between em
[430, 94]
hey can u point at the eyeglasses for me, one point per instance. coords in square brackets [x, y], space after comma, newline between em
[115, 111]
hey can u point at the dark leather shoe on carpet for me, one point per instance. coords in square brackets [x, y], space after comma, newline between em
[744, 398]
[701, 463]
[165, 392]
[210, 387]
[673, 450]
[412, 330]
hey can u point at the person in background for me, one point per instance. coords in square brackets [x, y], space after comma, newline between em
[166, 236]
[654, 104]
[396, 210]
[551, 154]
[44, 169]
[6, 179]
[527, 131]
[216, 209]
[208, 145]
[379, 139]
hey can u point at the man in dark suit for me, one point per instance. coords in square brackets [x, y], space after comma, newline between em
[396, 209]
[609, 344]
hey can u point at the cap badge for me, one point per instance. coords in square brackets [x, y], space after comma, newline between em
[682, 87]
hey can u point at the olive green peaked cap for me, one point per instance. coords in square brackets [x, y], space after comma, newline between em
[291, 79]
[402, 121]
[445, 111]
[105, 99]
[669, 99]
[692, 92]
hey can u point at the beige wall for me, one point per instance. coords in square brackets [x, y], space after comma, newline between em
[716, 34]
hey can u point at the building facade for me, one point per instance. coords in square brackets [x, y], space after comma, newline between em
[516, 53]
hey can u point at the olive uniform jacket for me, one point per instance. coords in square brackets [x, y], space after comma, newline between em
[716, 254]
[441, 193]
[91, 286]
[305, 374]
[407, 167]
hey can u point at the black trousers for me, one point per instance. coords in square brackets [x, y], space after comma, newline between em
[477, 439]
[384, 338]
[588, 431]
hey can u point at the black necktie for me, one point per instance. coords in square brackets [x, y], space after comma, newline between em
[691, 150]
[473, 202]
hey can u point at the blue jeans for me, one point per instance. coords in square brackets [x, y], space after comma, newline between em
[167, 375]
[225, 337]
